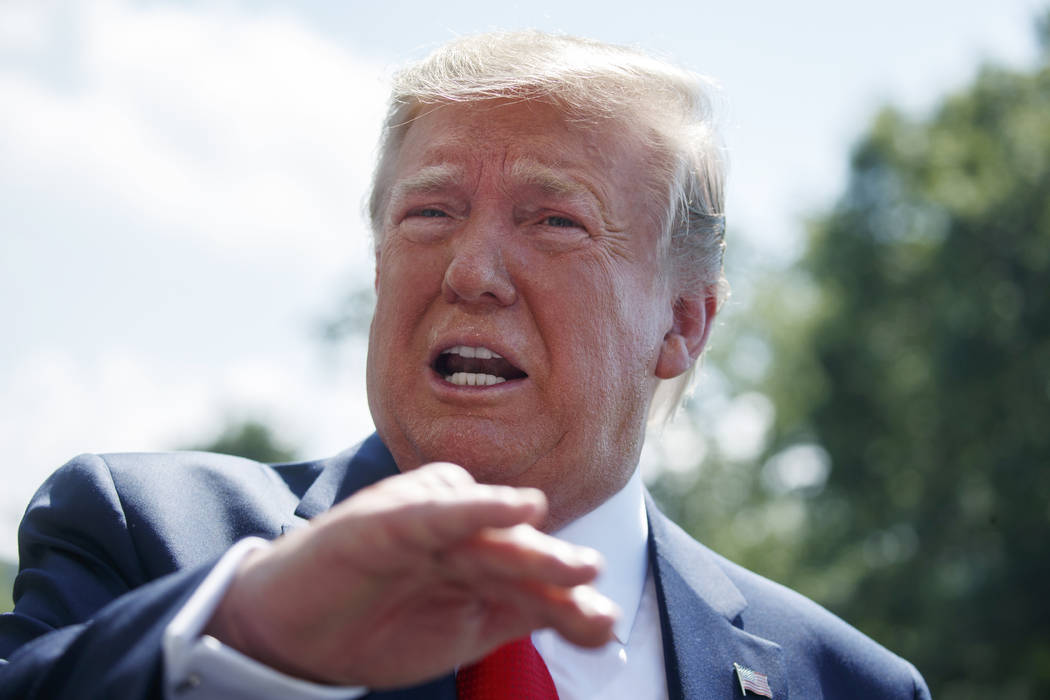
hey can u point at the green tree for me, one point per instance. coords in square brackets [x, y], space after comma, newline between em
[906, 479]
[931, 346]
[251, 439]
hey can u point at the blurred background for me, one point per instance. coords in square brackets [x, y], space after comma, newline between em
[184, 263]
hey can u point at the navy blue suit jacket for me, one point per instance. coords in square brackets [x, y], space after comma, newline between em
[112, 546]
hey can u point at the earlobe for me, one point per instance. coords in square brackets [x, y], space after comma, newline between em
[686, 338]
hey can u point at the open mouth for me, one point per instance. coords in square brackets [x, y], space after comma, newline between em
[463, 365]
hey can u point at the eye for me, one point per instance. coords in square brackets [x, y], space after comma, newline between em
[428, 213]
[560, 222]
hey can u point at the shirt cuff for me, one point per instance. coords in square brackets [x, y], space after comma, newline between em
[200, 667]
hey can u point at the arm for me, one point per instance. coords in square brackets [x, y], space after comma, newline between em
[86, 623]
[395, 572]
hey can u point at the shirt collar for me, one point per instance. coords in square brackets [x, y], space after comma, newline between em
[619, 530]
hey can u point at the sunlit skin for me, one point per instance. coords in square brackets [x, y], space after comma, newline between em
[508, 227]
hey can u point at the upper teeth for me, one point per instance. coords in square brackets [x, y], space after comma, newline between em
[482, 353]
[473, 378]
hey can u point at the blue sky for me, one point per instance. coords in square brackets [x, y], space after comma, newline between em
[181, 184]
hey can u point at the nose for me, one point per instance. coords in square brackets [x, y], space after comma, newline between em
[477, 272]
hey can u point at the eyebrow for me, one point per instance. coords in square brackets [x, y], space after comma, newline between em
[534, 174]
[433, 178]
[551, 181]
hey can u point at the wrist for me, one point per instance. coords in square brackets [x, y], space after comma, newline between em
[245, 620]
[227, 622]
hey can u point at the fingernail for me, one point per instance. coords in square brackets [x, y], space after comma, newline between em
[590, 557]
[594, 603]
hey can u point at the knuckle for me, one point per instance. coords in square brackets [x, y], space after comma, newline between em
[450, 473]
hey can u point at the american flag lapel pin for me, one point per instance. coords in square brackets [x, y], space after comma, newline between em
[757, 683]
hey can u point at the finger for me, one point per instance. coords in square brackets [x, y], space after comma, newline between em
[430, 509]
[454, 516]
[586, 618]
[580, 614]
[444, 500]
[438, 521]
[522, 552]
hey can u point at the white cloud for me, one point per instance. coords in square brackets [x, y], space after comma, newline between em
[24, 24]
[250, 132]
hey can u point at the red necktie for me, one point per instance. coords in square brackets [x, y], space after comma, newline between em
[515, 671]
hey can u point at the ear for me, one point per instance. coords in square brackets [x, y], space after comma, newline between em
[683, 343]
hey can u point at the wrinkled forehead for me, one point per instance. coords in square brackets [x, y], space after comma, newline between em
[545, 132]
[537, 144]
[442, 169]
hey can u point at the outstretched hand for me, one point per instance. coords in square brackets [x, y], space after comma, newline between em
[409, 578]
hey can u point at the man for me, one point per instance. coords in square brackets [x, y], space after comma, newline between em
[548, 223]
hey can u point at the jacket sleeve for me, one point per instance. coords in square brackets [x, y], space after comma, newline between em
[922, 692]
[88, 621]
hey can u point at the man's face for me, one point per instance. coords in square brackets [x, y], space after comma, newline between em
[519, 238]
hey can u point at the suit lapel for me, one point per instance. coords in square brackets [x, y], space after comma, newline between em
[345, 474]
[700, 618]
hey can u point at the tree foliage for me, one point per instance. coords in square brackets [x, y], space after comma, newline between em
[934, 341]
[913, 346]
[251, 439]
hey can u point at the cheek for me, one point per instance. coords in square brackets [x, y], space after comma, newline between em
[400, 305]
[638, 310]
[407, 276]
[613, 323]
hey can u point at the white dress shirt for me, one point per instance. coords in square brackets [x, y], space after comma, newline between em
[630, 667]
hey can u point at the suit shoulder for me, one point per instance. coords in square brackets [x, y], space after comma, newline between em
[193, 469]
[770, 600]
[120, 475]
[180, 507]
[838, 653]
[828, 657]
[184, 462]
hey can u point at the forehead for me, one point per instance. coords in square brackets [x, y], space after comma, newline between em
[532, 143]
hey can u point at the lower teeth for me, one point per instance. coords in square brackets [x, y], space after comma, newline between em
[474, 379]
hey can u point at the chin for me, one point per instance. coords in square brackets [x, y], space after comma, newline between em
[487, 466]
[492, 456]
